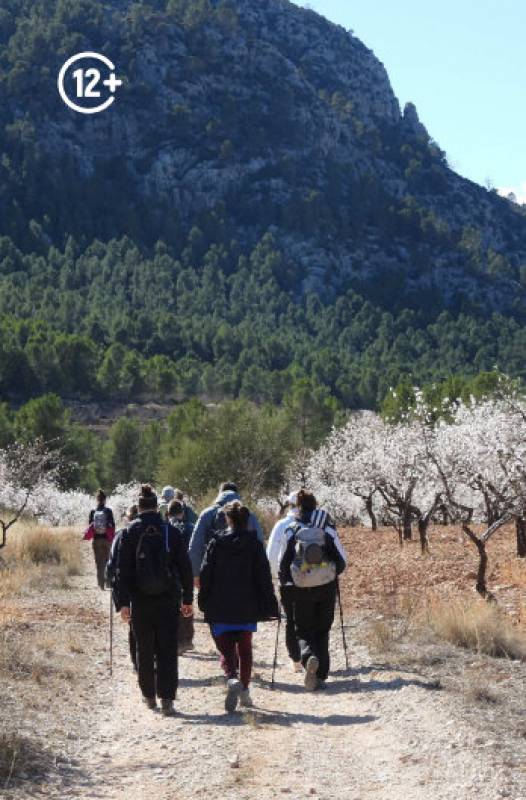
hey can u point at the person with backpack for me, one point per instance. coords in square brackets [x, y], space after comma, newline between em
[189, 513]
[312, 561]
[154, 572]
[167, 495]
[185, 640]
[112, 577]
[236, 593]
[100, 532]
[277, 544]
[212, 521]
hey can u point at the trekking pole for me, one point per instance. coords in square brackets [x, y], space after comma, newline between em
[276, 651]
[341, 623]
[111, 634]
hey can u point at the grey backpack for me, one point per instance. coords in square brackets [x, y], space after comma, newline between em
[310, 566]
[100, 522]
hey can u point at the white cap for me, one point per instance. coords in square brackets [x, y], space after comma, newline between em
[168, 493]
[292, 499]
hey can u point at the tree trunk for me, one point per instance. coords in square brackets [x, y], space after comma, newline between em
[520, 527]
[423, 525]
[490, 513]
[481, 586]
[445, 514]
[406, 524]
[372, 515]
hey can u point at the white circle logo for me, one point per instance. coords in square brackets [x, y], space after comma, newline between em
[88, 83]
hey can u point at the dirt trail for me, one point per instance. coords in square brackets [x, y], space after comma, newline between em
[370, 734]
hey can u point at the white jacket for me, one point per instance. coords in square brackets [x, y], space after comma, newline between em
[277, 544]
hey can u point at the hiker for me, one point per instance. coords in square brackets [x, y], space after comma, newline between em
[154, 570]
[101, 531]
[176, 517]
[112, 578]
[236, 593]
[277, 544]
[212, 521]
[189, 513]
[313, 559]
[167, 495]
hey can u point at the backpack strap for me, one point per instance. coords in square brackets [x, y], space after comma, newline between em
[294, 528]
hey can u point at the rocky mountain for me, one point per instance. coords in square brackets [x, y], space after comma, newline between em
[238, 119]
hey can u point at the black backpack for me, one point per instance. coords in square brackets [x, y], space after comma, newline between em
[154, 574]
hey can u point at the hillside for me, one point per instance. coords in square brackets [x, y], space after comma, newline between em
[254, 207]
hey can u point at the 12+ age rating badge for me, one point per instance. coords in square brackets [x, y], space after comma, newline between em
[87, 83]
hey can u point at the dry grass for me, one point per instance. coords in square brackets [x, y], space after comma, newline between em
[477, 626]
[51, 547]
[38, 559]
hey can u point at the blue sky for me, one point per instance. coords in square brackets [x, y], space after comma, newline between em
[463, 64]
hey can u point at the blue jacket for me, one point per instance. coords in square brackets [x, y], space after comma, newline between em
[211, 522]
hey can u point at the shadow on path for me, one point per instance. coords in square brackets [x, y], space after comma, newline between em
[259, 716]
[355, 686]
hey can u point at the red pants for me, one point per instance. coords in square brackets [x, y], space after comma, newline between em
[236, 654]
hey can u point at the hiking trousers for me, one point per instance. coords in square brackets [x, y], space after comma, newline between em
[286, 594]
[155, 621]
[101, 551]
[236, 654]
[313, 616]
[186, 631]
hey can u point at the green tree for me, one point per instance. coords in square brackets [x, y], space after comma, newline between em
[123, 452]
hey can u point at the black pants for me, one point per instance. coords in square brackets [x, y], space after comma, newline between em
[314, 615]
[286, 594]
[133, 647]
[186, 631]
[154, 622]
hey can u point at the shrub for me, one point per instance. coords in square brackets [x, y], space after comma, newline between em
[479, 626]
[42, 546]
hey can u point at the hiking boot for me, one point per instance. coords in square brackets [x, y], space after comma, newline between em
[311, 677]
[232, 696]
[245, 699]
[167, 708]
[150, 702]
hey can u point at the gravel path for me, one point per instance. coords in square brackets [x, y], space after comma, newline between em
[370, 734]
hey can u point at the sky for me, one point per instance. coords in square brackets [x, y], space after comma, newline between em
[463, 64]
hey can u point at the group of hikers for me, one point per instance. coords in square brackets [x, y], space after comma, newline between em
[164, 551]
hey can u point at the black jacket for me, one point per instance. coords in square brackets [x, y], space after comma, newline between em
[236, 584]
[125, 587]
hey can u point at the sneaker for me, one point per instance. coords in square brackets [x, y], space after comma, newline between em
[245, 699]
[150, 702]
[167, 708]
[297, 666]
[311, 677]
[232, 696]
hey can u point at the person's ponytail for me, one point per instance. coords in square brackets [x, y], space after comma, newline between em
[147, 498]
[237, 515]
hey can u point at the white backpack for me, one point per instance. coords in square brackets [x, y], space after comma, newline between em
[310, 566]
